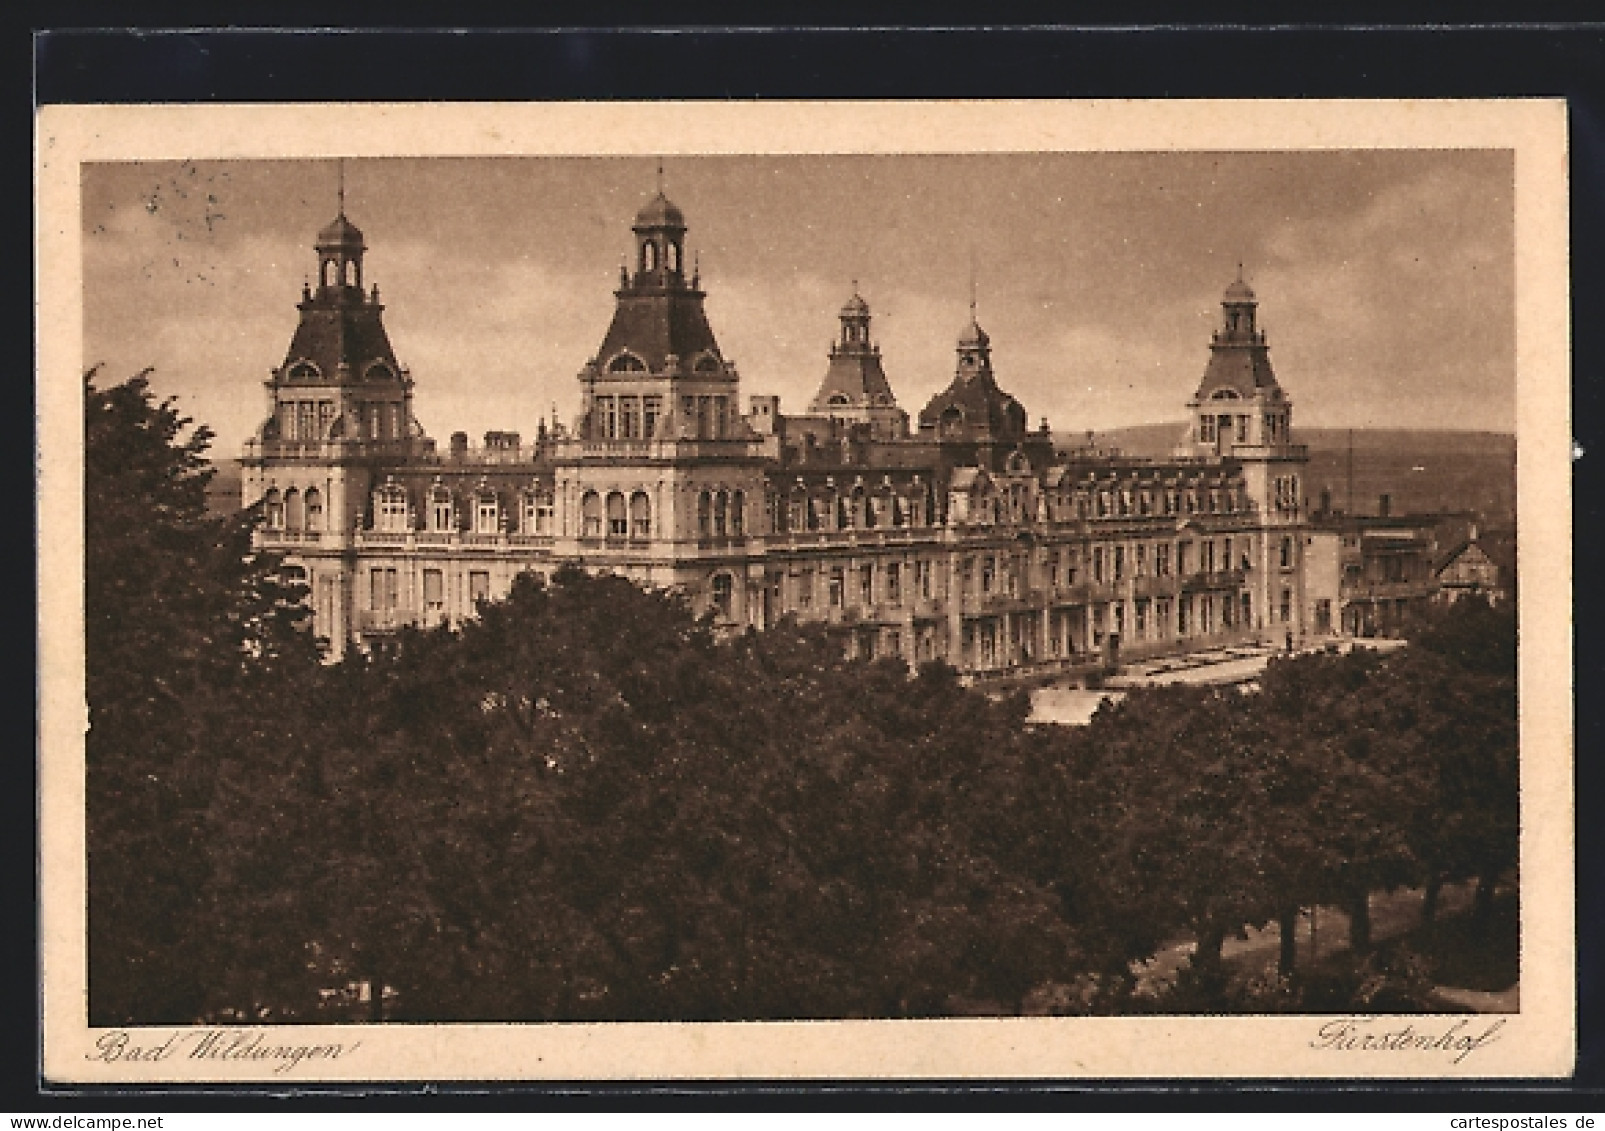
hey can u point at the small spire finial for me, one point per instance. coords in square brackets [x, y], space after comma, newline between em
[972, 284]
[660, 176]
[340, 190]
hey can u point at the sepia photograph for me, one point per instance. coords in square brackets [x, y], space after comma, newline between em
[586, 594]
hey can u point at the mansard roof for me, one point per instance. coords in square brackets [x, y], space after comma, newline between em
[655, 323]
[336, 331]
[981, 404]
[1243, 368]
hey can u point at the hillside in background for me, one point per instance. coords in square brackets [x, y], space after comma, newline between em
[223, 492]
[1420, 469]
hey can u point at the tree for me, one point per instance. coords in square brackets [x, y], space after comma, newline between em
[183, 622]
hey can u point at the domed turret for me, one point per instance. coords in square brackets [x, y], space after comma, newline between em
[855, 307]
[1239, 291]
[974, 338]
[340, 233]
[659, 212]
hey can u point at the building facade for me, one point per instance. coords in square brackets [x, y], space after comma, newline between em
[962, 535]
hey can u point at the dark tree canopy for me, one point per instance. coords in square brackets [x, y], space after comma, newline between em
[588, 804]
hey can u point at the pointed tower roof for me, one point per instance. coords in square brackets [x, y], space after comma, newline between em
[855, 377]
[1239, 358]
[341, 329]
[659, 313]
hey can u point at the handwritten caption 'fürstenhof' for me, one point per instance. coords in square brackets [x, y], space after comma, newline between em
[1372, 1034]
[219, 1045]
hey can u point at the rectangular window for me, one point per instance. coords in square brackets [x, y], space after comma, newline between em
[1206, 429]
[1142, 619]
[1287, 552]
[1162, 559]
[1207, 549]
[487, 517]
[1120, 562]
[1183, 615]
[651, 409]
[866, 584]
[1053, 572]
[382, 589]
[325, 417]
[805, 589]
[1183, 558]
[1142, 559]
[894, 583]
[434, 590]
[630, 417]
[988, 573]
[1206, 613]
[1097, 563]
[922, 576]
[1286, 609]
[1162, 616]
[1226, 560]
[837, 583]
[478, 586]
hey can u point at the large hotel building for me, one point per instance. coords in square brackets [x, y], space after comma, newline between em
[963, 534]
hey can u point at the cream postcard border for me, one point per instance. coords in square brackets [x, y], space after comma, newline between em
[1539, 1041]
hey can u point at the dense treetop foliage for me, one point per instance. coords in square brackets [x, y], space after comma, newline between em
[589, 804]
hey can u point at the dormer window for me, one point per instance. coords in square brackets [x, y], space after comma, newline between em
[626, 363]
[390, 508]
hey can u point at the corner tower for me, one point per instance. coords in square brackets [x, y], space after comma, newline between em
[855, 389]
[1240, 416]
[1238, 402]
[339, 412]
[662, 478]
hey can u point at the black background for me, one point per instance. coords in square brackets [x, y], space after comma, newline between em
[84, 53]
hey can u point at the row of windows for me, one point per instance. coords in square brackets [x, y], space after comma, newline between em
[293, 509]
[722, 514]
[858, 510]
[623, 518]
[308, 421]
[628, 417]
[1017, 505]
[484, 511]
[384, 592]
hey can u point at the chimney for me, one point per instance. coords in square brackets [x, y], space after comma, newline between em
[1385, 505]
[459, 445]
[1326, 501]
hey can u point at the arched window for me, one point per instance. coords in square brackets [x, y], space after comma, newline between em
[640, 515]
[591, 515]
[351, 272]
[649, 256]
[440, 508]
[487, 513]
[329, 272]
[724, 588]
[704, 515]
[295, 515]
[858, 513]
[674, 256]
[390, 508]
[721, 506]
[738, 514]
[626, 363]
[314, 508]
[618, 519]
[273, 509]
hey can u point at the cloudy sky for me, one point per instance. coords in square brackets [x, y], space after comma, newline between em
[1385, 278]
